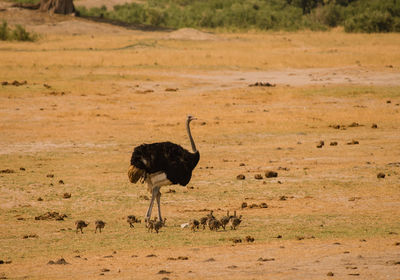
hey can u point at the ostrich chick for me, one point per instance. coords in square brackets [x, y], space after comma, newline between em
[99, 225]
[214, 224]
[205, 220]
[80, 225]
[225, 220]
[194, 224]
[131, 219]
[236, 222]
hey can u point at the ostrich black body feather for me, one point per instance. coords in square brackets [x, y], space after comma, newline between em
[176, 162]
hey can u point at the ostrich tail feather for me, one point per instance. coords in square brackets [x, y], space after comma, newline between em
[135, 174]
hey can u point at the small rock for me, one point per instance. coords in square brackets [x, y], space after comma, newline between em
[40, 199]
[105, 270]
[271, 174]
[61, 182]
[7, 171]
[151, 256]
[258, 177]
[330, 274]
[321, 144]
[263, 205]
[50, 175]
[265, 259]
[334, 143]
[283, 197]
[244, 205]
[66, 195]
[210, 260]
[162, 271]
[249, 238]
[374, 125]
[240, 177]
[353, 142]
[381, 175]
[232, 266]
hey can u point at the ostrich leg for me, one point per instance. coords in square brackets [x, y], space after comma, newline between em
[159, 204]
[154, 193]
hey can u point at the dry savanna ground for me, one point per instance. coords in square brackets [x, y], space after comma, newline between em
[94, 91]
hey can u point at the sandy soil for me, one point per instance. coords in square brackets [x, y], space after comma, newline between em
[94, 91]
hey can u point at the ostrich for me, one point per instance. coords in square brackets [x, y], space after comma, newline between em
[161, 164]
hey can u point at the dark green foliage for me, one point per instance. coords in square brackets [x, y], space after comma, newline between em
[354, 15]
[18, 34]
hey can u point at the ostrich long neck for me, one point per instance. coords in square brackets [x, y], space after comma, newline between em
[190, 136]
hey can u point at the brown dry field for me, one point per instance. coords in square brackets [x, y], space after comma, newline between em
[106, 93]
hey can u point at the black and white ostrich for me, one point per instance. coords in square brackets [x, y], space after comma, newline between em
[161, 164]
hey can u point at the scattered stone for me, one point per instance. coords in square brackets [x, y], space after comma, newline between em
[265, 259]
[253, 205]
[61, 182]
[240, 177]
[374, 125]
[7, 171]
[50, 175]
[353, 142]
[244, 205]
[30, 236]
[66, 195]
[60, 261]
[333, 143]
[271, 174]
[354, 124]
[108, 256]
[236, 240]
[388, 101]
[46, 86]
[258, 177]
[381, 175]
[210, 260]
[354, 274]
[321, 144]
[170, 191]
[40, 199]
[232, 266]
[52, 216]
[242, 164]
[262, 84]
[392, 262]
[283, 197]
[300, 237]
[162, 271]
[354, 198]
[151, 256]
[22, 168]
[263, 205]
[171, 89]
[105, 270]
[279, 236]
[249, 239]
[397, 244]
[330, 274]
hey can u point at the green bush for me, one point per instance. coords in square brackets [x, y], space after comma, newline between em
[18, 34]
[354, 15]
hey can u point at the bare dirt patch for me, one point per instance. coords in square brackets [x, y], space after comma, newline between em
[326, 212]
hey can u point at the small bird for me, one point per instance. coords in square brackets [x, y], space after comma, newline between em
[80, 225]
[214, 224]
[99, 225]
[204, 220]
[225, 220]
[236, 222]
[131, 219]
[194, 224]
[150, 224]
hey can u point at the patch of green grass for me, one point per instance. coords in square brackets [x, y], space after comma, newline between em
[17, 34]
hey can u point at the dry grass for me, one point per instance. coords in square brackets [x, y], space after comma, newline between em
[83, 128]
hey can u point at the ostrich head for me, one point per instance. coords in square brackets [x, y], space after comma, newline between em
[191, 118]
